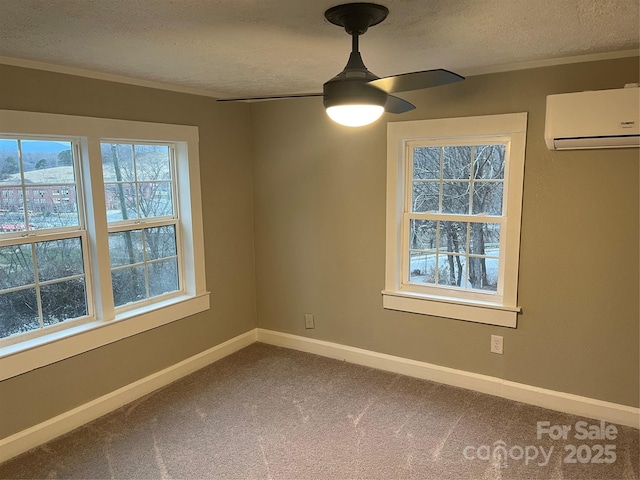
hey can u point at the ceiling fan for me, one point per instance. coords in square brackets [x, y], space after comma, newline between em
[356, 97]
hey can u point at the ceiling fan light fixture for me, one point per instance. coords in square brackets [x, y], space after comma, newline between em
[355, 115]
[353, 103]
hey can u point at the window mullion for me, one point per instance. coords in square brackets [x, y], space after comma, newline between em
[36, 281]
[23, 189]
[440, 183]
[136, 186]
[408, 194]
[407, 209]
[466, 249]
[145, 264]
[97, 229]
[406, 222]
[437, 251]
[472, 178]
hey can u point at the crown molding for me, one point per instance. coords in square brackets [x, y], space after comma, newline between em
[109, 77]
[550, 62]
[467, 72]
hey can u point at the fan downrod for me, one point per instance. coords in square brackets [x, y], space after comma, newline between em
[356, 18]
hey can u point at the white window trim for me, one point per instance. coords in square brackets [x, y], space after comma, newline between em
[397, 295]
[109, 326]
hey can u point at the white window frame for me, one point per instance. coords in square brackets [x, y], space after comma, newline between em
[20, 354]
[140, 223]
[499, 308]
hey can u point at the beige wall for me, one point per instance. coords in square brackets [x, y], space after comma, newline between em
[319, 206]
[227, 210]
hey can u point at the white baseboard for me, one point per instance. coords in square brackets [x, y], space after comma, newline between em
[63, 423]
[564, 402]
[551, 399]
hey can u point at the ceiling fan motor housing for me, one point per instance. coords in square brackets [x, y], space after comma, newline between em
[352, 92]
[351, 86]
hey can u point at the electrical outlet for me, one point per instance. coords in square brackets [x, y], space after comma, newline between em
[308, 321]
[496, 344]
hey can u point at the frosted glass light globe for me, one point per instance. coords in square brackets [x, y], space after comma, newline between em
[355, 115]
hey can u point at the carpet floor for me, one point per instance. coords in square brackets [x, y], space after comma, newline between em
[272, 413]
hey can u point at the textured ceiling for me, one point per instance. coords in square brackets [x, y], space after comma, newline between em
[264, 47]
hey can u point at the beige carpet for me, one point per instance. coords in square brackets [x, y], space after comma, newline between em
[272, 413]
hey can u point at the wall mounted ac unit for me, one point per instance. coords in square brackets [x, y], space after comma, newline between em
[594, 119]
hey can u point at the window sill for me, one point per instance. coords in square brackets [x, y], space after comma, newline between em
[469, 310]
[23, 357]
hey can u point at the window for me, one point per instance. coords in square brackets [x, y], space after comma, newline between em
[42, 266]
[454, 196]
[72, 189]
[143, 233]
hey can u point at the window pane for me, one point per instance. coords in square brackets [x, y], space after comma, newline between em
[426, 162]
[422, 235]
[13, 222]
[125, 248]
[483, 273]
[10, 201]
[49, 185]
[484, 238]
[117, 162]
[455, 197]
[120, 199]
[40, 203]
[52, 206]
[138, 181]
[452, 270]
[492, 238]
[46, 161]
[422, 267]
[63, 301]
[155, 199]
[128, 285]
[54, 175]
[487, 198]
[456, 162]
[18, 312]
[163, 277]
[160, 242]
[489, 162]
[425, 197]
[453, 237]
[152, 162]
[9, 163]
[16, 266]
[59, 259]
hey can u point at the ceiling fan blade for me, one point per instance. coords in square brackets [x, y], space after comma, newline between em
[272, 97]
[397, 105]
[415, 80]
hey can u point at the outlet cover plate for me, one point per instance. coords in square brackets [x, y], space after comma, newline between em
[497, 343]
[308, 321]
